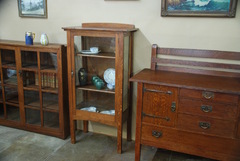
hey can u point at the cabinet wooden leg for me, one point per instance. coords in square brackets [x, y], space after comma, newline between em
[85, 126]
[137, 151]
[119, 138]
[72, 131]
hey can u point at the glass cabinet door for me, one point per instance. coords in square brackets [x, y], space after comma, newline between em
[10, 85]
[49, 84]
[40, 86]
[91, 90]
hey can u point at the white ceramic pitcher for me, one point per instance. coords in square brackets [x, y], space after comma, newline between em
[44, 39]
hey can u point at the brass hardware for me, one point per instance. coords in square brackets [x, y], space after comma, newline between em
[208, 95]
[173, 107]
[153, 90]
[20, 73]
[206, 108]
[204, 125]
[72, 73]
[156, 134]
[153, 116]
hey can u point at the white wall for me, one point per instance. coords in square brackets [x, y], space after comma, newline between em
[177, 32]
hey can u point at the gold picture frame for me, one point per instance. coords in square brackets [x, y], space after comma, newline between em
[32, 8]
[199, 8]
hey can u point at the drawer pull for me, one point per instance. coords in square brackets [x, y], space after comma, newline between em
[208, 95]
[156, 134]
[153, 116]
[173, 107]
[206, 108]
[153, 90]
[204, 125]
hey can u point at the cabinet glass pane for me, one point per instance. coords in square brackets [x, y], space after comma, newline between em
[48, 61]
[95, 101]
[9, 76]
[31, 99]
[32, 116]
[105, 44]
[11, 94]
[8, 58]
[13, 113]
[50, 101]
[51, 119]
[30, 79]
[89, 96]
[29, 59]
[1, 110]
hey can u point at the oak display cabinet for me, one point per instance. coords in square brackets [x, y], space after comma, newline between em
[113, 106]
[32, 95]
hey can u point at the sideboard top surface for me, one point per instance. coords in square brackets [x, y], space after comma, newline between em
[22, 44]
[189, 80]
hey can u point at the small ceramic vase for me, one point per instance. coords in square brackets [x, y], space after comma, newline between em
[44, 39]
[82, 76]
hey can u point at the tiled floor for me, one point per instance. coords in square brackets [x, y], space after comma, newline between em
[19, 145]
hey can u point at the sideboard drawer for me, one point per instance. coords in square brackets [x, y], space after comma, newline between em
[159, 105]
[210, 96]
[156, 134]
[206, 125]
[208, 109]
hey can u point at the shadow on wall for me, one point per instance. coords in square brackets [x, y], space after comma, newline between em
[141, 52]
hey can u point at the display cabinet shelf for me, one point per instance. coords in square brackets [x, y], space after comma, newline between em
[99, 55]
[93, 88]
[34, 94]
[113, 106]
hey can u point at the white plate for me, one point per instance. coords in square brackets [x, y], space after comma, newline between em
[89, 52]
[109, 112]
[90, 109]
[109, 76]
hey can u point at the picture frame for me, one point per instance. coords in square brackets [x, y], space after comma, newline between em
[199, 8]
[32, 8]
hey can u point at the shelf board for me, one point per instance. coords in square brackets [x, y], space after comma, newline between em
[31, 87]
[100, 55]
[30, 68]
[10, 82]
[12, 102]
[50, 90]
[32, 107]
[51, 106]
[48, 69]
[101, 105]
[9, 65]
[94, 89]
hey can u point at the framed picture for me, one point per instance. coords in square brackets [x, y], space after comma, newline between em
[201, 8]
[32, 8]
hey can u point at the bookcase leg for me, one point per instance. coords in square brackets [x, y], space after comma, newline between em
[85, 126]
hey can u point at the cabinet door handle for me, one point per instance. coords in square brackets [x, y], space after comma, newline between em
[208, 95]
[204, 125]
[158, 91]
[206, 108]
[20, 73]
[153, 116]
[156, 134]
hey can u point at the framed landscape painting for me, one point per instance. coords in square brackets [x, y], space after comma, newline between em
[210, 8]
[32, 8]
